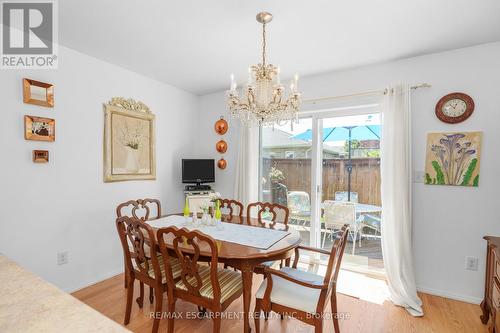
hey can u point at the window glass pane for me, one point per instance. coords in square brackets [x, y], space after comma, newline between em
[351, 188]
[286, 171]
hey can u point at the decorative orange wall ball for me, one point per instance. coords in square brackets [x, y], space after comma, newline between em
[221, 146]
[222, 163]
[221, 126]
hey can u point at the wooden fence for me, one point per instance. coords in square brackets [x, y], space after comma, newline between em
[365, 177]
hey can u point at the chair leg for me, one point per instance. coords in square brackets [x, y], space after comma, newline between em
[257, 313]
[158, 308]
[170, 319]
[333, 304]
[324, 238]
[140, 299]
[151, 295]
[217, 322]
[125, 274]
[354, 241]
[318, 326]
[130, 294]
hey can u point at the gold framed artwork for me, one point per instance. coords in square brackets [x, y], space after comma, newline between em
[40, 156]
[129, 141]
[453, 158]
[38, 93]
[39, 129]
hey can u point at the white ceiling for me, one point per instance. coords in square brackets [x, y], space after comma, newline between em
[196, 44]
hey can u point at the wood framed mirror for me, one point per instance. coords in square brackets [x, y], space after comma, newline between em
[38, 93]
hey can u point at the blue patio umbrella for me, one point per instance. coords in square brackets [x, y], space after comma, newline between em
[341, 133]
[345, 133]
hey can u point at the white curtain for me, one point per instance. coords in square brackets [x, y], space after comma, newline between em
[247, 166]
[396, 174]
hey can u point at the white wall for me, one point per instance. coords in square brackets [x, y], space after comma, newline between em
[65, 205]
[448, 222]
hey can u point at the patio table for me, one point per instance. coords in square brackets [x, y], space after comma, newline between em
[361, 208]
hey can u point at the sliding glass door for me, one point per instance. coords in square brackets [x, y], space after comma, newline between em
[350, 187]
[326, 170]
[286, 171]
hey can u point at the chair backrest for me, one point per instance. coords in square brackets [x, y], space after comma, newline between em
[187, 246]
[298, 202]
[229, 206]
[269, 212]
[336, 214]
[342, 196]
[334, 262]
[133, 235]
[140, 208]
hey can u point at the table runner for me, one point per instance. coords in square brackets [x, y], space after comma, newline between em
[261, 238]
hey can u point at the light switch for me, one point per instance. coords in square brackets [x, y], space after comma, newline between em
[418, 177]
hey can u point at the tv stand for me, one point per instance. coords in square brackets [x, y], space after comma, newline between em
[196, 198]
[197, 188]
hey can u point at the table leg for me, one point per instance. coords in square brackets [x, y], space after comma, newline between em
[247, 275]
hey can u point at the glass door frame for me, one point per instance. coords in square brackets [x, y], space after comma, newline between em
[317, 160]
[317, 117]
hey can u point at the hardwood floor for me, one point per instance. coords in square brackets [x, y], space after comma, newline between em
[441, 314]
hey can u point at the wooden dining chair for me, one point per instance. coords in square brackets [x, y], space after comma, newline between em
[144, 264]
[231, 206]
[271, 212]
[140, 208]
[209, 287]
[303, 294]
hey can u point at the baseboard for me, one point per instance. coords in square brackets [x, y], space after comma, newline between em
[462, 298]
[90, 282]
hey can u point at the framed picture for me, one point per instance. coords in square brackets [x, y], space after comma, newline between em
[129, 141]
[40, 156]
[38, 93]
[39, 129]
[453, 158]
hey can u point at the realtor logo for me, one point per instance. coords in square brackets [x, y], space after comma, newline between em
[29, 34]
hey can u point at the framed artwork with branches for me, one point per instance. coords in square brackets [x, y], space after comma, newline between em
[129, 141]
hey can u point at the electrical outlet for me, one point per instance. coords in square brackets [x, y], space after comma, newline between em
[62, 258]
[418, 177]
[471, 263]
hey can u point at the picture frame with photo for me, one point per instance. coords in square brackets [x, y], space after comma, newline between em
[39, 129]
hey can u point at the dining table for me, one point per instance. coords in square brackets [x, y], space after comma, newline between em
[235, 247]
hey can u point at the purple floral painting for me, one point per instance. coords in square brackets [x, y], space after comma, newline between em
[453, 158]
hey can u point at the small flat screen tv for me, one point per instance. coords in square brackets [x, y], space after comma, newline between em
[196, 171]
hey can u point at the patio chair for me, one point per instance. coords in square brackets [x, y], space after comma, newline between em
[342, 196]
[336, 215]
[370, 222]
[299, 205]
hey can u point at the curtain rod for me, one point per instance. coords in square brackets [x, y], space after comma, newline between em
[365, 93]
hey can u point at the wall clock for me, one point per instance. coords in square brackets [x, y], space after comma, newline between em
[454, 108]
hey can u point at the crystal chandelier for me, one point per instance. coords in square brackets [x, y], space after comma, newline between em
[263, 101]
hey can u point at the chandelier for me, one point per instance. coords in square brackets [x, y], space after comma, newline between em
[263, 101]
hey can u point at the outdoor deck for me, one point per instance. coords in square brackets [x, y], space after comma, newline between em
[368, 255]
